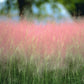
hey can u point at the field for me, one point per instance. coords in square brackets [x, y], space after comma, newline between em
[41, 54]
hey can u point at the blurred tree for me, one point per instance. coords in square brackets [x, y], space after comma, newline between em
[11, 5]
[8, 5]
[71, 5]
[23, 4]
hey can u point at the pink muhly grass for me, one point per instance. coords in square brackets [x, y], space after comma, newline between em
[49, 38]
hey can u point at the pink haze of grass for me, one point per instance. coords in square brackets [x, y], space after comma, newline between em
[49, 38]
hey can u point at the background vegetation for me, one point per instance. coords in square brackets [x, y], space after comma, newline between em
[71, 5]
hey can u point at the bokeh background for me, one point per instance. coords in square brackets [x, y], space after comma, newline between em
[16, 8]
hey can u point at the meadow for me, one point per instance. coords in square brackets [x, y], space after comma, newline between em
[41, 54]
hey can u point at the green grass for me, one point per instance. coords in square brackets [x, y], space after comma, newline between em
[20, 71]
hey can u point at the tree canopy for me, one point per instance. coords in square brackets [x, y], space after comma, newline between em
[22, 4]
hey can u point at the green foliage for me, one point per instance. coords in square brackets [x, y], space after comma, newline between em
[70, 5]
